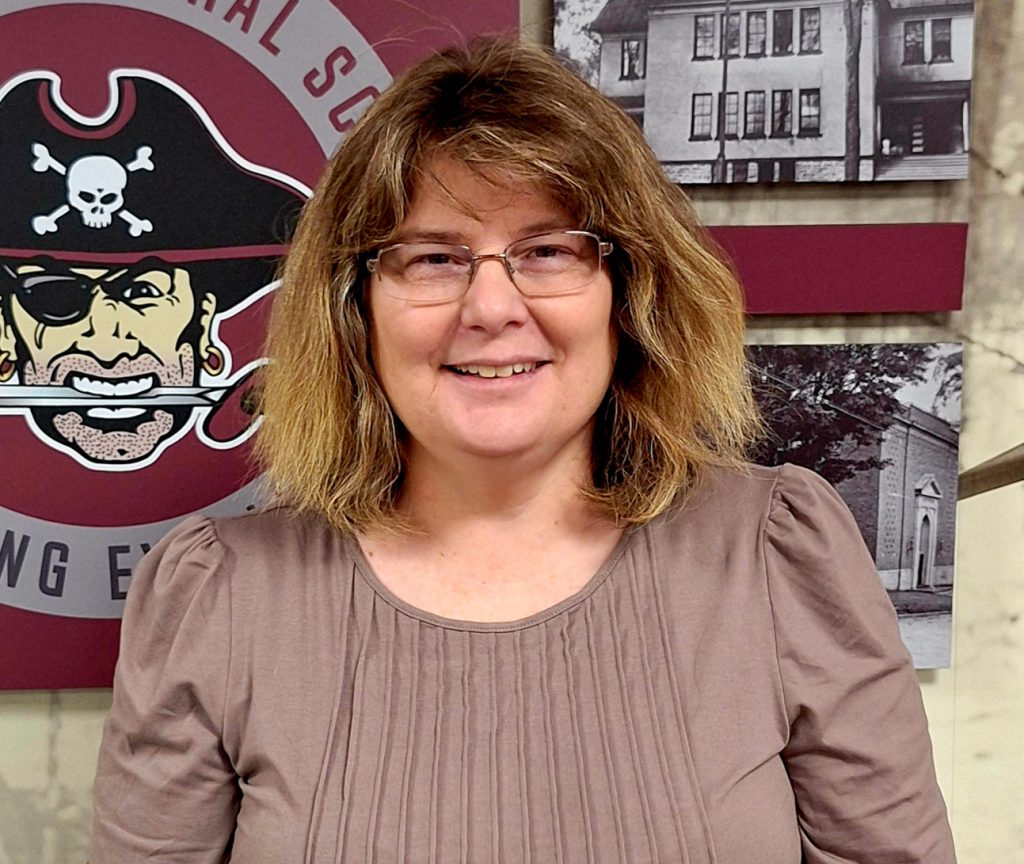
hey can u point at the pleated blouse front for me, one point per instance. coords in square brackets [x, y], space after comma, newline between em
[275, 703]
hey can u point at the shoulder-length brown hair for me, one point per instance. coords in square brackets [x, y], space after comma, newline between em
[679, 399]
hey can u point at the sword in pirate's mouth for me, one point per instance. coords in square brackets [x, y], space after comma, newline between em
[46, 396]
[54, 396]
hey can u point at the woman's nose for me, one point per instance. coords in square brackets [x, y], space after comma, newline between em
[493, 301]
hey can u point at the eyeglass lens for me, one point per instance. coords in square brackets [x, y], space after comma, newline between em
[553, 263]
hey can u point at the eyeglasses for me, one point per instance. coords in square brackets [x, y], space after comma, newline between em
[60, 298]
[559, 262]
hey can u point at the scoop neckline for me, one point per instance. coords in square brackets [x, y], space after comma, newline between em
[365, 570]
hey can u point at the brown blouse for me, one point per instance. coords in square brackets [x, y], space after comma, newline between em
[730, 687]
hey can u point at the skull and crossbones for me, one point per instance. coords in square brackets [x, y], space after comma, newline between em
[95, 188]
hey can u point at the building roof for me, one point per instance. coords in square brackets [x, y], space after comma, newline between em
[916, 4]
[621, 16]
[929, 423]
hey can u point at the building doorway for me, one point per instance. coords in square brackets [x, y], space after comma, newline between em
[923, 565]
[923, 127]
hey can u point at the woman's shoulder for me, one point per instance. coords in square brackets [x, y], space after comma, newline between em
[254, 551]
[748, 495]
[270, 529]
[768, 511]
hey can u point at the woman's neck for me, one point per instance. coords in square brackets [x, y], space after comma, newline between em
[499, 540]
[441, 496]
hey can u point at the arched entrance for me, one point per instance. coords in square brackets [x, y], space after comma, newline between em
[926, 511]
[923, 566]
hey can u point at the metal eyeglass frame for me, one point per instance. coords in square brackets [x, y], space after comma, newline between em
[604, 248]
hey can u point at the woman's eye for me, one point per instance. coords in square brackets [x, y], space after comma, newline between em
[436, 259]
[434, 262]
[548, 251]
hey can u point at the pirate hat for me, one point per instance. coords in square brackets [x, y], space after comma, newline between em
[152, 178]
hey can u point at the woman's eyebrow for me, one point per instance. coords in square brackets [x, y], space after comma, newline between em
[424, 236]
[450, 237]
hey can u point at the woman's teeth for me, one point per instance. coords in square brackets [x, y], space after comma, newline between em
[496, 371]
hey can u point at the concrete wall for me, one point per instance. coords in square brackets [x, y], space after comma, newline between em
[48, 741]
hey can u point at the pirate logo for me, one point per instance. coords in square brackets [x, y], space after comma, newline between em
[124, 242]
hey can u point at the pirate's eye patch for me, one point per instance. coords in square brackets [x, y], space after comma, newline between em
[54, 299]
[58, 299]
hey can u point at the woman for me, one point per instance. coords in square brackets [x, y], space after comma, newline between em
[521, 601]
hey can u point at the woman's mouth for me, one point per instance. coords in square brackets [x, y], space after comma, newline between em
[482, 371]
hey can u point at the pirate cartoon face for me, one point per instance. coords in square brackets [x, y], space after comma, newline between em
[107, 333]
[123, 244]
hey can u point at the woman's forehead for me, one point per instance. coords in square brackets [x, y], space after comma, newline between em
[446, 185]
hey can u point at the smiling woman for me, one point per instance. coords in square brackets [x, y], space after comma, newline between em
[519, 597]
[448, 366]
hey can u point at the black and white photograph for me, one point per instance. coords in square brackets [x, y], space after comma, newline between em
[881, 423]
[805, 91]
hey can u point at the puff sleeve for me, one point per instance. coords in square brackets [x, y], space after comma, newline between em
[858, 755]
[165, 789]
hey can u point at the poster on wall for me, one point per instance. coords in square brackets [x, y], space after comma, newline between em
[799, 92]
[882, 424]
[809, 92]
[153, 159]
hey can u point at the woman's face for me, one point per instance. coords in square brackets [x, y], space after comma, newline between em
[567, 342]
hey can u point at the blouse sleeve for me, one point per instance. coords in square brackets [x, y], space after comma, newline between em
[858, 755]
[165, 789]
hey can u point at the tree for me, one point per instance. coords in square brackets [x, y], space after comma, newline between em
[826, 405]
[949, 370]
[573, 40]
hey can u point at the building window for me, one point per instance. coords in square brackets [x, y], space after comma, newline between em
[782, 113]
[810, 31]
[753, 123]
[632, 59]
[700, 124]
[942, 40]
[913, 42]
[731, 35]
[731, 115]
[782, 32]
[757, 31]
[810, 112]
[704, 37]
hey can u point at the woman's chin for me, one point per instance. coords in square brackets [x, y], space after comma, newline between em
[501, 446]
[530, 445]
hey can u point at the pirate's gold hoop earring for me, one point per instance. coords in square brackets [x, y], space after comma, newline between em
[213, 362]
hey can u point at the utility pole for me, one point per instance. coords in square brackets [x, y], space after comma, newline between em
[718, 169]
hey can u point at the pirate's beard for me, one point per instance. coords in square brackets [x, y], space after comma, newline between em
[114, 445]
[119, 436]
